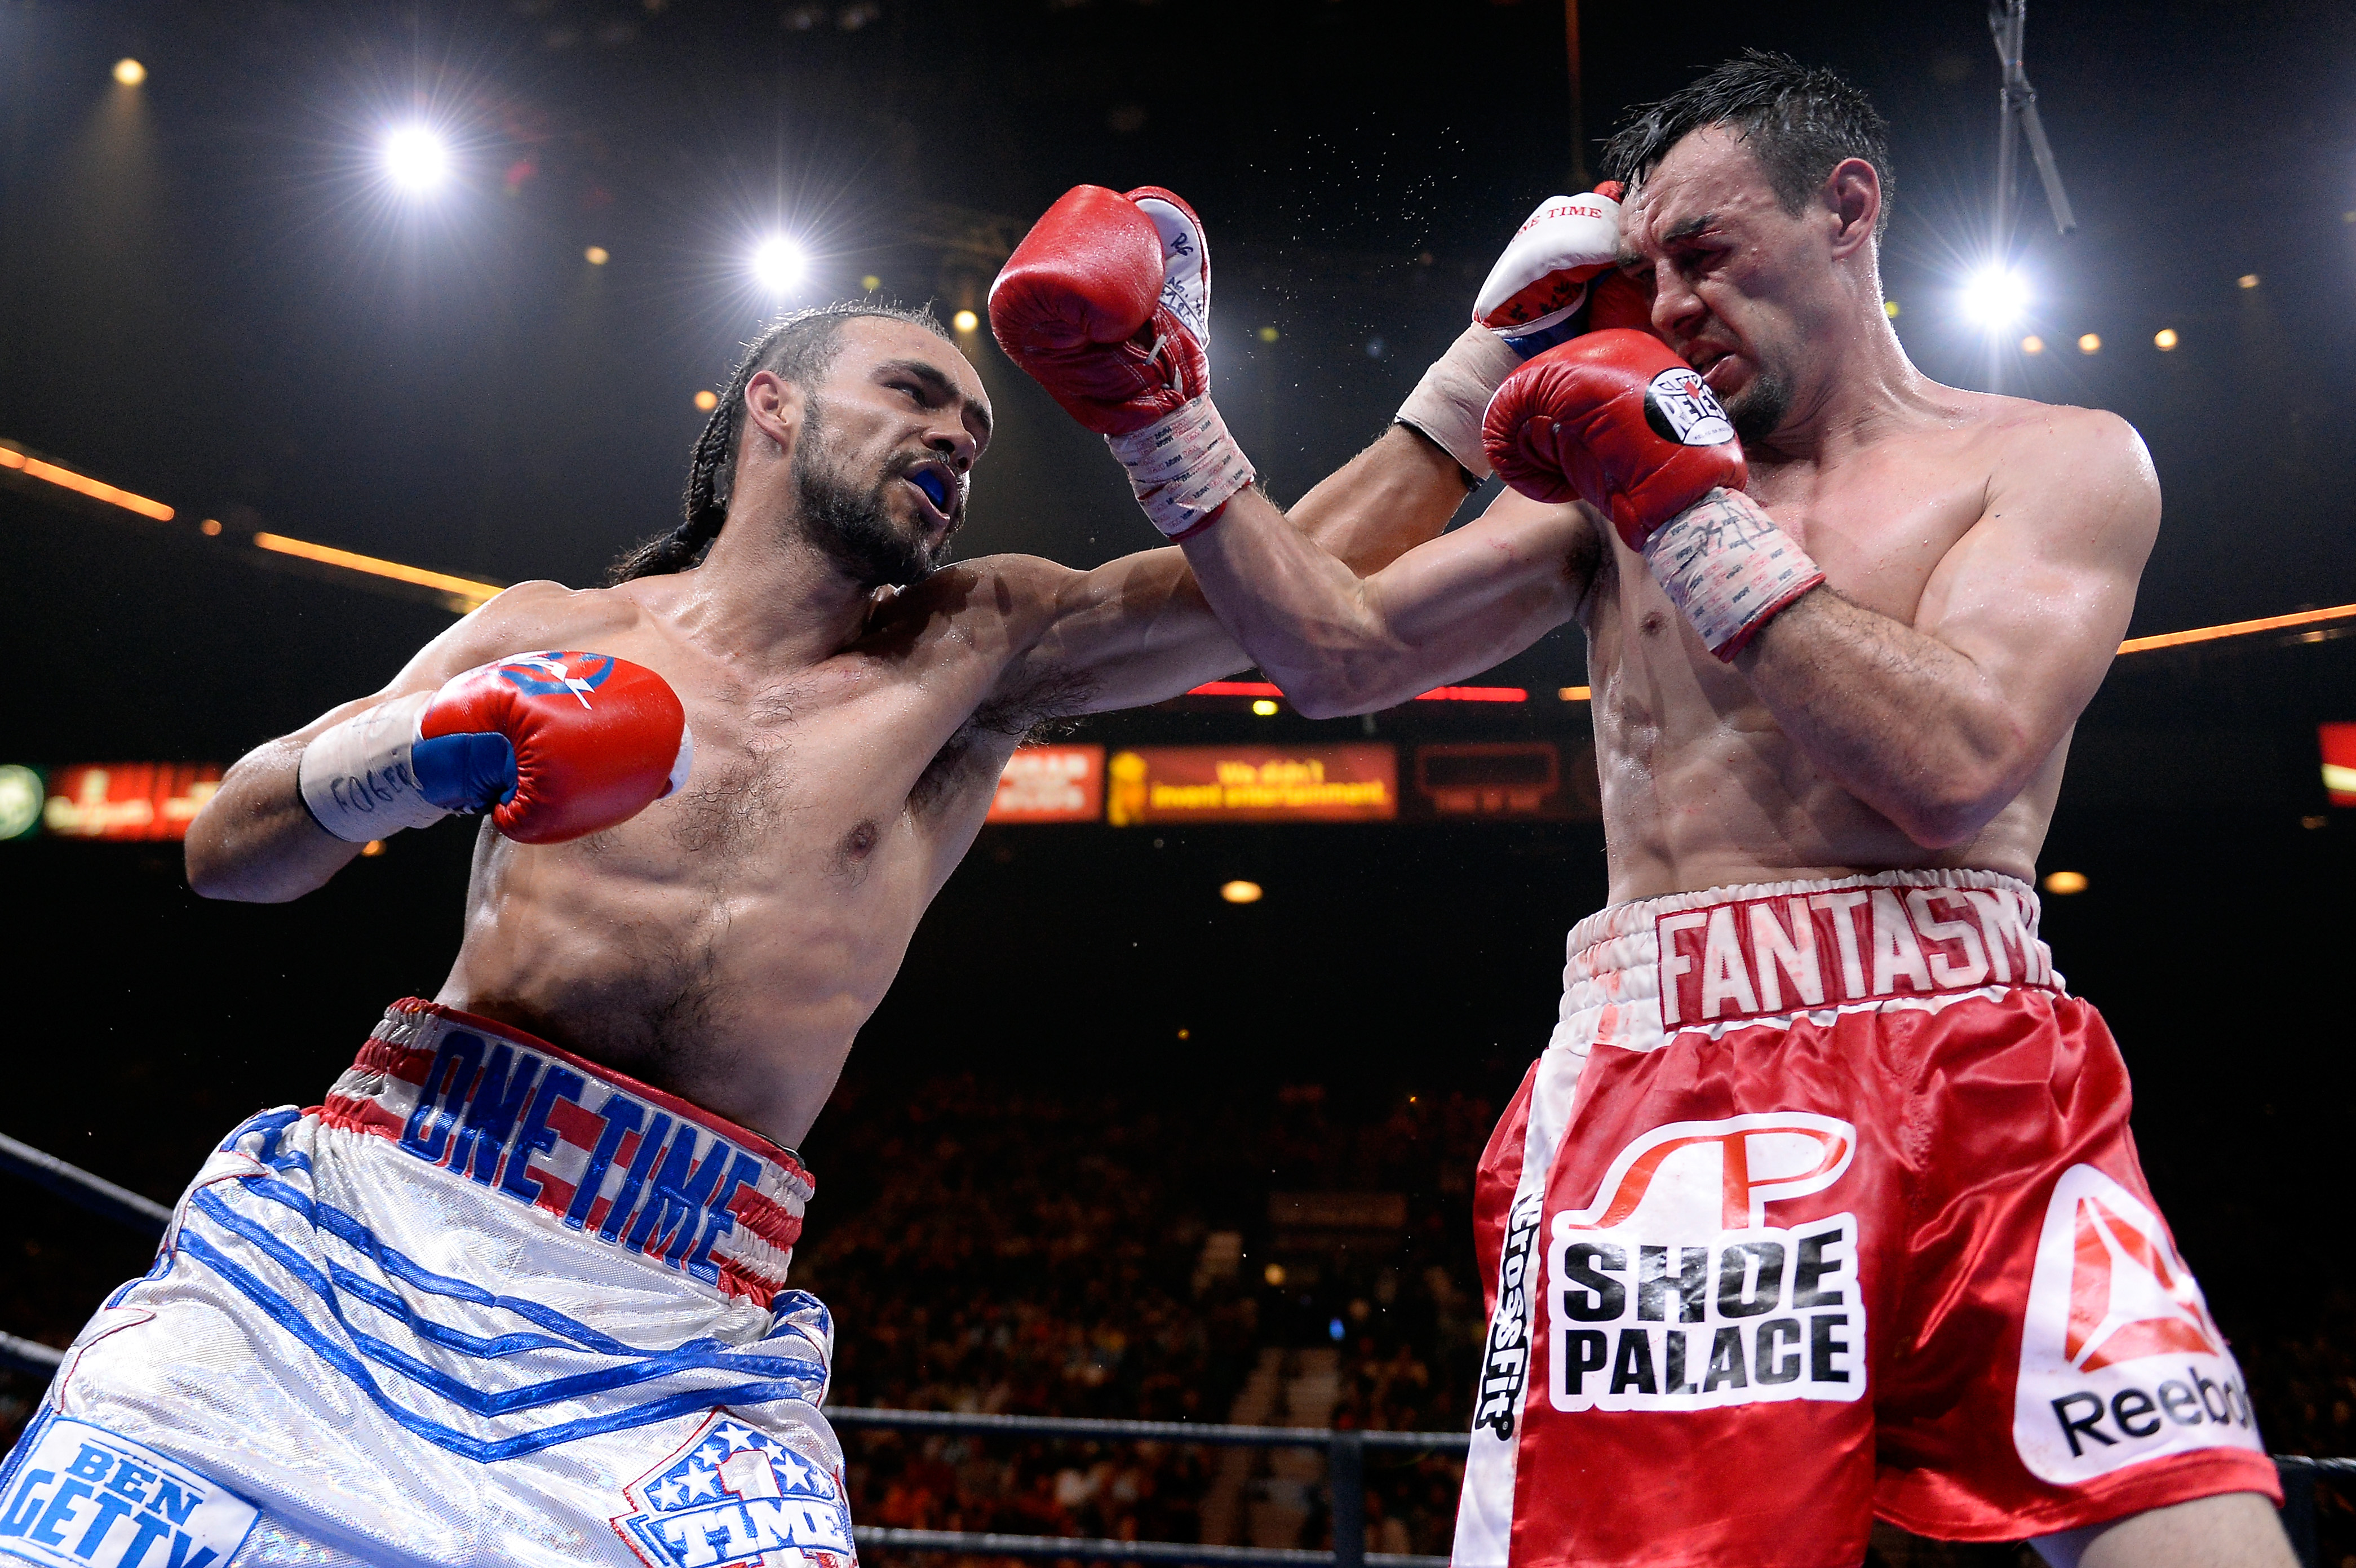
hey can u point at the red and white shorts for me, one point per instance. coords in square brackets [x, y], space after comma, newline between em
[1821, 1204]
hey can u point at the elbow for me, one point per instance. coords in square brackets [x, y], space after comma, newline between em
[1318, 700]
[1953, 798]
[207, 874]
[211, 875]
[1342, 692]
[1946, 818]
[1938, 829]
[213, 872]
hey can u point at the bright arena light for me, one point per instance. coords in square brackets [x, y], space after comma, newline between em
[130, 72]
[965, 321]
[1996, 296]
[415, 158]
[777, 265]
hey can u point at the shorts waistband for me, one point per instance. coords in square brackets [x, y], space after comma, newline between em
[1767, 949]
[605, 1155]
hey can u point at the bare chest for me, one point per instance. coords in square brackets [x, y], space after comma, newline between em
[812, 785]
[1878, 526]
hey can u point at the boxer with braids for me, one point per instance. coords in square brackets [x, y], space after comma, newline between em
[515, 1291]
[795, 348]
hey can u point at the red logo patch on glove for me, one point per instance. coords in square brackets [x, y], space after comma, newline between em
[597, 739]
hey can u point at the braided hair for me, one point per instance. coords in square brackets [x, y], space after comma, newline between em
[799, 349]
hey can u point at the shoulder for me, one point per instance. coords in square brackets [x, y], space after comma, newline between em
[1009, 588]
[2077, 479]
[2050, 438]
[550, 607]
[1021, 578]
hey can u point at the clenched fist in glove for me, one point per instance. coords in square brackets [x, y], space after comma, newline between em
[1106, 304]
[1616, 420]
[1562, 257]
[1557, 278]
[555, 745]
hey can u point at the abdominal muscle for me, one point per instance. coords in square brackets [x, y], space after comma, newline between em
[731, 981]
[1701, 789]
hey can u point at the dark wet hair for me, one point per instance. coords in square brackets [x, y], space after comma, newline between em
[799, 349]
[1800, 120]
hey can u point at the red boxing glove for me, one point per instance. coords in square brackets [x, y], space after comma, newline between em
[1106, 304]
[1615, 299]
[596, 739]
[1616, 420]
[1081, 307]
[555, 746]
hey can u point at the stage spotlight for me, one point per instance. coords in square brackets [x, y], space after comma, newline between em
[2032, 344]
[2165, 339]
[2064, 883]
[1265, 707]
[707, 399]
[130, 72]
[1240, 892]
[1889, 308]
[777, 265]
[415, 158]
[2089, 343]
[1269, 334]
[595, 255]
[965, 321]
[871, 283]
[1994, 298]
[2247, 280]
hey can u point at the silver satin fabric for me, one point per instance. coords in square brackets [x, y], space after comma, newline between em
[400, 1365]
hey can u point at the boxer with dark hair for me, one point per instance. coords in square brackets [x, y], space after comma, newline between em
[516, 1292]
[1821, 1203]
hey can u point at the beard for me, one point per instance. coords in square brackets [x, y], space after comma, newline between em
[853, 528]
[1758, 410]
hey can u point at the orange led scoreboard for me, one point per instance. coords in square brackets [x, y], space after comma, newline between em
[1358, 781]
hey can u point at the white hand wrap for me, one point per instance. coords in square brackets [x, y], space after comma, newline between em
[1184, 467]
[357, 779]
[1448, 403]
[1727, 568]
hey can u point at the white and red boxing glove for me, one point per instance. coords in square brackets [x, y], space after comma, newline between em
[555, 746]
[1616, 420]
[1560, 260]
[1106, 304]
[1548, 269]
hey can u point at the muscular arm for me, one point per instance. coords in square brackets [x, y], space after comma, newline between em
[1138, 630]
[1342, 643]
[256, 843]
[1939, 724]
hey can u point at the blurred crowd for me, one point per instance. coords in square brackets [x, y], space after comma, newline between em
[989, 1249]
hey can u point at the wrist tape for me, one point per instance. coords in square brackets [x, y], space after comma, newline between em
[1727, 568]
[1447, 405]
[357, 778]
[1184, 467]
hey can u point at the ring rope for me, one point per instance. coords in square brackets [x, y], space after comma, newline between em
[77, 1186]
